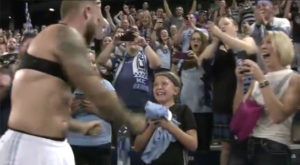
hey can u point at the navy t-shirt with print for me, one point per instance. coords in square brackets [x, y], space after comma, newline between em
[135, 89]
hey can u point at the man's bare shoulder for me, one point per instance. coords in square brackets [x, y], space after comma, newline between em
[67, 33]
[62, 29]
[68, 40]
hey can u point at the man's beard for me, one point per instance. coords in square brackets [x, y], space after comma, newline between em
[90, 32]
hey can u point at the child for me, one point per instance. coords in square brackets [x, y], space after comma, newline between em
[166, 88]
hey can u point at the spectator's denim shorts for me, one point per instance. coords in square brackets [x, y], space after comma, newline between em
[259, 151]
[221, 130]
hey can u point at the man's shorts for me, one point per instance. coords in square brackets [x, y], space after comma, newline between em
[18, 148]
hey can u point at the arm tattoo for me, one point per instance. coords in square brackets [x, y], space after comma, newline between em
[73, 51]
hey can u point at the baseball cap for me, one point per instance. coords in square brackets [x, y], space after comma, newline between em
[266, 2]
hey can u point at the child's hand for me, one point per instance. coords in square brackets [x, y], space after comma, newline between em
[88, 106]
[152, 125]
[163, 123]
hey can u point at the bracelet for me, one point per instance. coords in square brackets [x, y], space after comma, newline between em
[263, 84]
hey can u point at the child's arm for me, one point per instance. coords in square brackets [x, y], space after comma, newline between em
[188, 139]
[142, 140]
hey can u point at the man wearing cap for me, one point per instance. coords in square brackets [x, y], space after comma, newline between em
[265, 20]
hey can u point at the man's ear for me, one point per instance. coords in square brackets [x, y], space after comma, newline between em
[87, 12]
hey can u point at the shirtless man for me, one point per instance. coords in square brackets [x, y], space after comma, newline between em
[41, 92]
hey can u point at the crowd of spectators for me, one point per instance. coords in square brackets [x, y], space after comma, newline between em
[201, 46]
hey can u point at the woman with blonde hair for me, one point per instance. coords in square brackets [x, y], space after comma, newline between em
[278, 93]
[146, 25]
[162, 44]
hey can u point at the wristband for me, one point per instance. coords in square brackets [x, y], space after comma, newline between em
[263, 84]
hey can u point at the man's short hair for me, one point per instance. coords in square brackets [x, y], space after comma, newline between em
[69, 6]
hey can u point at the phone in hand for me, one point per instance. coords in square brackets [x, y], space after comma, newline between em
[128, 36]
[181, 55]
[159, 21]
[79, 95]
[244, 71]
[239, 58]
[243, 65]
